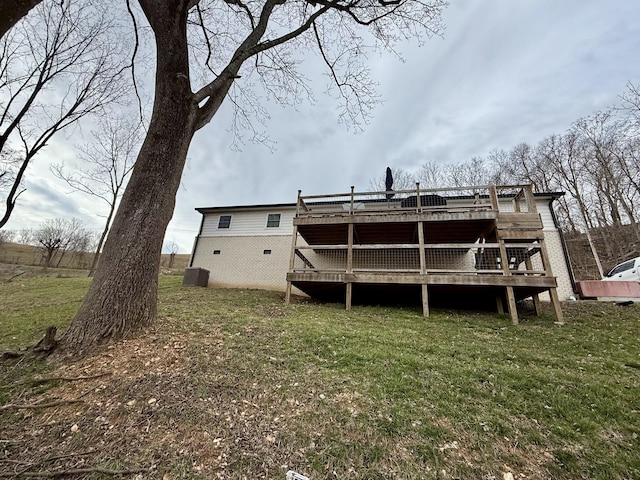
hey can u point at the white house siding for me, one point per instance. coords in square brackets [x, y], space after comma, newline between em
[248, 223]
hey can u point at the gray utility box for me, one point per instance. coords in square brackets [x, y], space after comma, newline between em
[195, 277]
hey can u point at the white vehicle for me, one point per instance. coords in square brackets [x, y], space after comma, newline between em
[628, 271]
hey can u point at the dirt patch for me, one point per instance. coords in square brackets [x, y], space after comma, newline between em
[163, 406]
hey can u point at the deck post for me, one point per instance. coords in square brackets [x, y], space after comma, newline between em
[531, 199]
[557, 309]
[418, 200]
[292, 259]
[511, 299]
[287, 294]
[425, 300]
[493, 194]
[348, 294]
[553, 293]
[298, 203]
[349, 262]
[516, 200]
[423, 265]
[535, 297]
[499, 304]
[511, 304]
[537, 307]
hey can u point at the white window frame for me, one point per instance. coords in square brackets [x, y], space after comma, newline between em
[228, 224]
[279, 220]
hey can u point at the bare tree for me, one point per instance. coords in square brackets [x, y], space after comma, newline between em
[172, 248]
[79, 247]
[109, 158]
[56, 67]
[57, 236]
[25, 236]
[475, 171]
[402, 180]
[431, 175]
[631, 105]
[241, 41]
[7, 236]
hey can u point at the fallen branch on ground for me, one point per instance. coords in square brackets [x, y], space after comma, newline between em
[40, 381]
[11, 354]
[15, 276]
[44, 405]
[76, 471]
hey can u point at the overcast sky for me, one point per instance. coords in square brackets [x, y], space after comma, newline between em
[505, 72]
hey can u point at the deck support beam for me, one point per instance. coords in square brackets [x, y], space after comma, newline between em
[292, 258]
[555, 303]
[349, 289]
[511, 304]
[535, 297]
[425, 300]
[511, 298]
[423, 267]
[499, 304]
[553, 292]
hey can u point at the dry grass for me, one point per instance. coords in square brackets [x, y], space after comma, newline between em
[233, 384]
[18, 256]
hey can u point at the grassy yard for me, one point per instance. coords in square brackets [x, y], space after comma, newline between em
[234, 384]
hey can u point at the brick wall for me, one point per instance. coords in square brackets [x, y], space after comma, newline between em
[242, 262]
[558, 264]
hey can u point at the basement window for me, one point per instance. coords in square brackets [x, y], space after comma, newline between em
[267, 252]
[273, 220]
[216, 252]
[224, 221]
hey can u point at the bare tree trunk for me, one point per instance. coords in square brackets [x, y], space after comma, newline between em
[96, 255]
[123, 295]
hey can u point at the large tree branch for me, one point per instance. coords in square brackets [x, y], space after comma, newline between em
[215, 91]
[351, 8]
[134, 53]
[246, 9]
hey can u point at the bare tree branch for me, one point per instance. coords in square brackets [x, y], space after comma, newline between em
[61, 49]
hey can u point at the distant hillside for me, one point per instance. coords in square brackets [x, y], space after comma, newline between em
[19, 254]
[613, 244]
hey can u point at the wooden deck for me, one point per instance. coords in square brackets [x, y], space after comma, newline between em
[486, 241]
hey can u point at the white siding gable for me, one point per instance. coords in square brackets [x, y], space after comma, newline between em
[248, 223]
[542, 205]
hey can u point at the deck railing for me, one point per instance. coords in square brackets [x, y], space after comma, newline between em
[458, 258]
[512, 198]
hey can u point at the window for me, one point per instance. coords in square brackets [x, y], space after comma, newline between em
[622, 268]
[225, 221]
[216, 252]
[273, 220]
[267, 252]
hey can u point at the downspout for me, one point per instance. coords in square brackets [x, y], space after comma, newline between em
[565, 250]
[195, 242]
